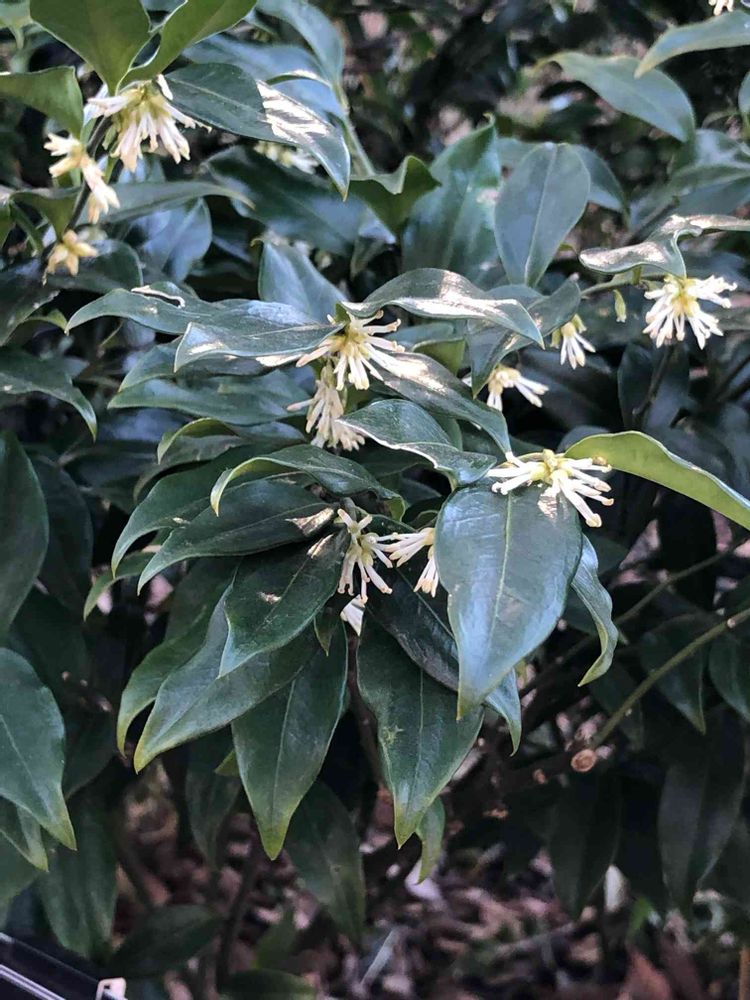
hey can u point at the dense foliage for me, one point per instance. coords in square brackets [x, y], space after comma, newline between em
[386, 369]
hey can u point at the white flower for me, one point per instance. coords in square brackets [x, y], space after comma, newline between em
[144, 112]
[677, 301]
[74, 157]
[402, 547]
[572, 345]
[569, 476]
[324, 411]
[354, 349]
[68, 252]
[287, 156]
[364, 549]
[504, 377]
[353, 614]
[720, 6]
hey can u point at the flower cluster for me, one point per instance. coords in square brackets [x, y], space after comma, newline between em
[68, 253]
[141, 113]
[573, 345]
[367, 547]
[677, 302]
[720, 6]
[324, 412]
[504, 377]
[567, 476]
[353, 350]
[287, 156]
[73, 156]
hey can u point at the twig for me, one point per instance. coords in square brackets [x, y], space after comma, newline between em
[655, 676]
[233, 923]
[131, 865]
[656, 380]
[744, 992]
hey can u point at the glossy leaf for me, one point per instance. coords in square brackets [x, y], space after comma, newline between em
[699, 805]
[197, 699]
[230, 99]
[729, 30]
[506, 563]
[270, 602]
[254, 516]
[599, 605]
[391, 196]
[584, 838]
[334, 473]
[542, 201]
[451, 227]
[25, 530]
[683, 686]
[21, 372]
[323, 845]
[660, 253]
[728, 667]
[404, 426]
[426, 382]
[653, 97]
[191, 21]
[79, 893]
[20, 829]
[32, 742]
[287, 275]
[22, 292]
[281, 744]
[421, 743]
[108, 34]
[438, 294]
[54, 92]
[631, 451]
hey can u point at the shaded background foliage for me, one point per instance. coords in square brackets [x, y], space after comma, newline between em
[665, 802]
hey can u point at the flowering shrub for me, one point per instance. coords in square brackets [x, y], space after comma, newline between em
[434, 479]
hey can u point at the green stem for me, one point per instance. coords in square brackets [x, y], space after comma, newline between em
[607, 286]
[655, 676]
[234, 920]
[23, 220]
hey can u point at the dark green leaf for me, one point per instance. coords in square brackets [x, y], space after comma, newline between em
[191, 21]
[108, 34]
[270, 602]
[229, 98]
[641, 455]
[287, 275]
[725, 32]
[20, 829]
[21, 372]
[165, 940]
[506, 563]
[699, 805]
[438, 294]
[584, 839]
[281, 744]
[324, 847]
[598, 603]
[683, 686]
[32, 747]
[542, 201]
[254, 516]
[404, 426]
[336, 474]
[79, 893]
[391, 196]
[421, 743]
[54, 92]
[653, 97]
[728, 667]
[24, 529]
[22, 292]
[452, 226]
[317, 30]
[209, 796]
